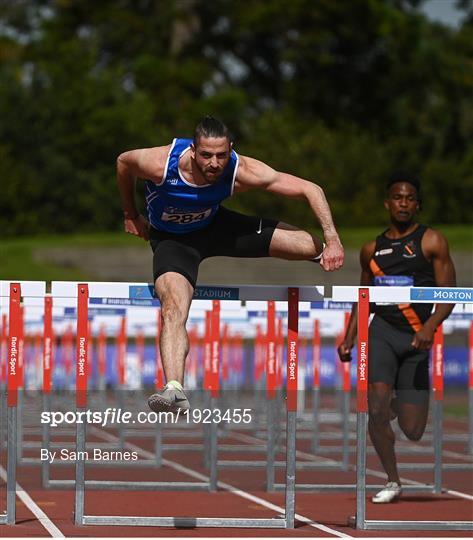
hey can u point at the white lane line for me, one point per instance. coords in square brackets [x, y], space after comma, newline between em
[459, 494]
[372, 472]
[456, 455]
[227, 487]
[319, 460]
[34, 508]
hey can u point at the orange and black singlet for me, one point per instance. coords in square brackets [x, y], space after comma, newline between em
[400, 262]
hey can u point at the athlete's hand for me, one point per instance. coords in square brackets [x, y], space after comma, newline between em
[424, 338]
[332, 256]
[344, 351]
[138, 226]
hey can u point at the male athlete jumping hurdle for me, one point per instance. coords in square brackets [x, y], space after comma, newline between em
[186, 181]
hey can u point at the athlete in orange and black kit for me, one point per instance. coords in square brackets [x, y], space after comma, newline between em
[400, 336]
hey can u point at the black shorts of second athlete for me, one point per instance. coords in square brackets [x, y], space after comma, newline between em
[230, 234]
[394, 361]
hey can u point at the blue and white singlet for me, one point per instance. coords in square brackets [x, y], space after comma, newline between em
[175, 205]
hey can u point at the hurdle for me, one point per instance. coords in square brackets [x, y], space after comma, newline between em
[120, 290]
[437, 436]
[47, 387]
[48, 363]
[12, 293]
[82, 312]
[47, 482]
[395, 295]
[312, 418]
[266, 345]
[460, 312]
[3, 377]
[121, 345]
[47, 382]
[316, 366]
[316, 395]
[267, 342]
[260, 343]
[34, 311]
[271, 383]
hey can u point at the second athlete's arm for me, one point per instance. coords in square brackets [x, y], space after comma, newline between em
[435, 248]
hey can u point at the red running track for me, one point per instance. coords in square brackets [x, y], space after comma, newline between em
[327, 511]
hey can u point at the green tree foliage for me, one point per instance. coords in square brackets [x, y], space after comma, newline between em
[337, 92]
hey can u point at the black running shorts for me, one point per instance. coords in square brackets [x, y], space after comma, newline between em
[230, 234]
[394, 361]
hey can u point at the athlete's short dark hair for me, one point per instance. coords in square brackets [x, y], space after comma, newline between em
[211, 127]
[403, 176]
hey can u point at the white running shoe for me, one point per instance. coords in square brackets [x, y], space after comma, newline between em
[169, 399]
[390, 492]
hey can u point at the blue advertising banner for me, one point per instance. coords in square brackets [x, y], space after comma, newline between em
[442, 294]
[216, 293]
[200, 293]
[125, 302]
[329, 304]
[394, 281]
[141, 292]
[72, 311]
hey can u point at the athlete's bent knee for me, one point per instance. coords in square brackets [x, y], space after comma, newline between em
[413, 433]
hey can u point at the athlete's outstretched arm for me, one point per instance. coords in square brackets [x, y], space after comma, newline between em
[435, 248]
[256, 174]
[147, 163]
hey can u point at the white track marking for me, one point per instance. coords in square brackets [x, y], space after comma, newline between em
[456, 455]
[251, 439]
[227, 487]
[319, 460]
[459, 494]
[34, 508]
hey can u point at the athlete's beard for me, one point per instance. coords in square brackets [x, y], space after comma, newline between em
[213, 179]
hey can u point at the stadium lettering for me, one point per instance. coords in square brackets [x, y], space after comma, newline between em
[212, 293]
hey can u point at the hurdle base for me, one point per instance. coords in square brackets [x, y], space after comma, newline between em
[418, 525]
[112, 485]
[431, 466]
[94, 463]
[185, 522]
[301, 465]
[350, 487]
